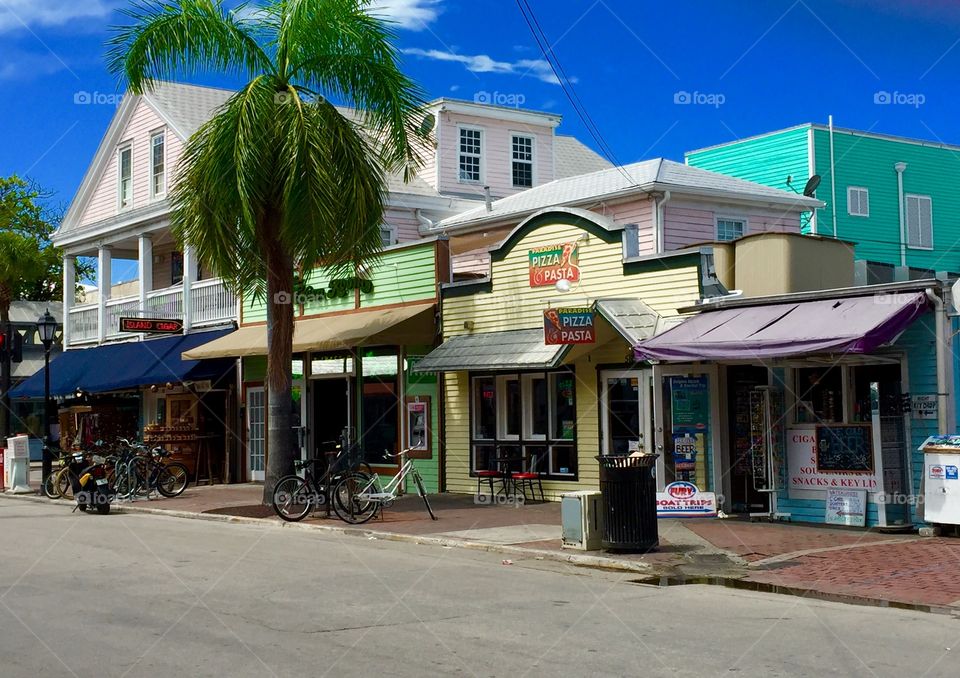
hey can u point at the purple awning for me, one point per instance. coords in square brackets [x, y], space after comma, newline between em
[841, 325]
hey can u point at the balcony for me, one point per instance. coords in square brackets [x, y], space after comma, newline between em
[212, 303]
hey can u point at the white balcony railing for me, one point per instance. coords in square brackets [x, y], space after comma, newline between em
[212, 303]
[83, 323]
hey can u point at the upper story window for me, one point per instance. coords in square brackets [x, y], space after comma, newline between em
[858, 201]
[522, 157]
[125, 176]
[730, 229]
[388, 235]
[919, 222]
[158, 165]
[471, 155]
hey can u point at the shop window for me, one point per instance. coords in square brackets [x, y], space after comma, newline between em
[528, 419]
[380, 415]
[819, 395]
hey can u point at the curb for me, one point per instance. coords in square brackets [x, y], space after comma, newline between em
[579, 560]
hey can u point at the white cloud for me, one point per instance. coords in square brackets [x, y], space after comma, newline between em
[18, 65]
[482, 63]
[413, 15]
[18, 14]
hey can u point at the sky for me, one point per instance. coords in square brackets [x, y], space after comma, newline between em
[656, 78]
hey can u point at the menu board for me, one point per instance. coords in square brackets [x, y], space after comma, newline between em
[844, 448]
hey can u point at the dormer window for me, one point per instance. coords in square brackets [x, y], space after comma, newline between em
[125, 177]
[158, 165]
[471, 155]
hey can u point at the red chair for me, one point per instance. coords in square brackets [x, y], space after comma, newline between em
[486, 476]
[524, 479]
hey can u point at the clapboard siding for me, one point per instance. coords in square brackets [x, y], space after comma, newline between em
[639, 212]
[404, 221]
[496, 170]
[144, 122]
[687, 223]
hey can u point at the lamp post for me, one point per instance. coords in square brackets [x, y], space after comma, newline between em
[47, 328]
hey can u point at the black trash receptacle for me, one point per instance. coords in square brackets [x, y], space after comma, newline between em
[629, 489]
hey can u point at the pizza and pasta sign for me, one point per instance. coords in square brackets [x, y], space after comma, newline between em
[553, 263]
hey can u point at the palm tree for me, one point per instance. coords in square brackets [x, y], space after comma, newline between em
[280, 179]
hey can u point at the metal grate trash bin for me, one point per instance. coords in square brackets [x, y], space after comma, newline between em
[629, 488]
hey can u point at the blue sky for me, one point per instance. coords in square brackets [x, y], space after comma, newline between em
[746, 67]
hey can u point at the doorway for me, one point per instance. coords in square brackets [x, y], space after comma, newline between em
[331, 411]
[256, 432]
[742, 380]
[625, 398]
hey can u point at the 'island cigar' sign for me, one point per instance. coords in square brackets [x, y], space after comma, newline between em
[569, 326]
[553, 263]
[151, 325]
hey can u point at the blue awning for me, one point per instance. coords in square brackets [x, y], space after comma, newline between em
[119, 367]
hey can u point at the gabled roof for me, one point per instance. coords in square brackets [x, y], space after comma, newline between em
[658, 174]
[186, 107]
[572, 157]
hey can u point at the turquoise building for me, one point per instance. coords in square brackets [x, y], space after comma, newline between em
[894, 197]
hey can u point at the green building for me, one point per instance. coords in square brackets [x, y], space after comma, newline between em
[894, 197]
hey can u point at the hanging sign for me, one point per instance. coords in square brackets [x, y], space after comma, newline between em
[569, 326]
[924, 406]
[553, 263]
[682, 499]
[151, 325]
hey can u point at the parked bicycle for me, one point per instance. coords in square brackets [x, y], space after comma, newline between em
[358, 498]
[140, 470]
[296, 496]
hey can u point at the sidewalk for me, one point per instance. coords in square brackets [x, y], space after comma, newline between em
[867, 567]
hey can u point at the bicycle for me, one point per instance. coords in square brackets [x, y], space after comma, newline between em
[139, 470]
[358, 498]
[295, 497]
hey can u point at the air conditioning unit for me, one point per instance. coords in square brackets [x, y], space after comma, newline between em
[581, 514]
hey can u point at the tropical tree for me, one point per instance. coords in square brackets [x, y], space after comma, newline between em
[280, 178]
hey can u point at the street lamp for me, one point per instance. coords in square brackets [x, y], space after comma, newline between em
[47, 328]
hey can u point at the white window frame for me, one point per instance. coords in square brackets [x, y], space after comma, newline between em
[533, 158]
[729, 217]
[502, 407]
[126, 147]
[866, 196]
[393, 234]
[526, 395]
[154, 194]
[481, 157]
[906, 222]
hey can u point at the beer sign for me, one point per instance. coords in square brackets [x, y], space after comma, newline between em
[569, 326]
[553, 263]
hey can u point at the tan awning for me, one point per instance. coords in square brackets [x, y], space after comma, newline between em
[412, 324]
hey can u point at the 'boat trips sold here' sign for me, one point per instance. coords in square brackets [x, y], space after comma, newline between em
[569, 326]
[554, 262]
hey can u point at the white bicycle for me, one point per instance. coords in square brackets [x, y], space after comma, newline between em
[358, 497]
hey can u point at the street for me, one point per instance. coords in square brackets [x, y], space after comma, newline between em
[138, 595]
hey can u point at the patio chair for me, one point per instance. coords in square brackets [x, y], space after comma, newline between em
[525, 479]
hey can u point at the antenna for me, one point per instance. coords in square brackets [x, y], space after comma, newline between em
[811, 186]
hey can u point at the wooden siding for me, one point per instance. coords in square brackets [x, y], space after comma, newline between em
[868, 162]
[496, 163]
[689, 223]
[638, 212]
[512, 304]
[404, 221]
[104, 202]
[475, 261]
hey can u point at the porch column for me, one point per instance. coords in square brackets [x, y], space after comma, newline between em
[145, 265]
[189, 276]
[69, 294]
[104, 277]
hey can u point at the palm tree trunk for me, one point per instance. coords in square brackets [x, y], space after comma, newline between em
[280, 442]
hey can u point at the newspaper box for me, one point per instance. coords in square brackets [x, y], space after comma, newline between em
[941, 477]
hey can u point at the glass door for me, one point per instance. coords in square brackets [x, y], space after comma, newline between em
[625, 411]
[256, 433]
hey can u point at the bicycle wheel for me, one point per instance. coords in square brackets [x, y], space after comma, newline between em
[172, 479]
[423, 494]
[292, 498]
[126, 481]
[49, 487]
[64, 483]
[348, 506]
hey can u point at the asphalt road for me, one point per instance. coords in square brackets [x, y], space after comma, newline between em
[143, 595]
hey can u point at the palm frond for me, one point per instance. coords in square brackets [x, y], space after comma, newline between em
[168, 39]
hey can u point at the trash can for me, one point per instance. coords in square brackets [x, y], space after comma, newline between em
[629, 488]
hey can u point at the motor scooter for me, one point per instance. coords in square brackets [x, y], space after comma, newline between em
[91, 486]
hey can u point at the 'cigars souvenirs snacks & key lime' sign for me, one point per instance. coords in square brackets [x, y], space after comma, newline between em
[553, 263]
[569, 326]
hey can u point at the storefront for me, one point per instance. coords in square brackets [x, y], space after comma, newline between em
[536, 361]
[355, 345]
[826, 398]
[144, 390]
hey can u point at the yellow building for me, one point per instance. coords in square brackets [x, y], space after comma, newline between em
[512, 400]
